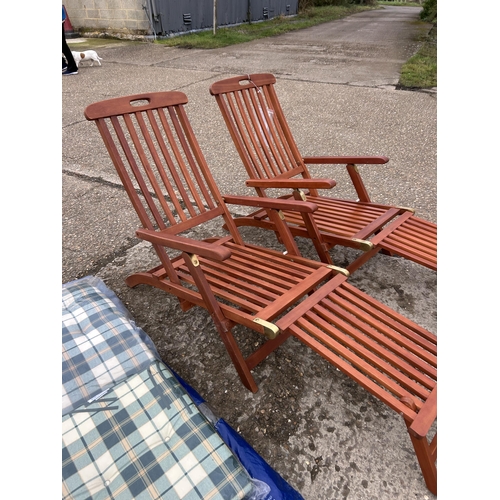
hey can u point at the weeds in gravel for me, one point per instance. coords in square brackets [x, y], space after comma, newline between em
[420, 71]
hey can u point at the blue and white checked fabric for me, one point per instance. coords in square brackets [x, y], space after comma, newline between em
[101, 345]
[145, 439]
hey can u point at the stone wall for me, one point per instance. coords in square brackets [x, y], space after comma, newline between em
[121, 18]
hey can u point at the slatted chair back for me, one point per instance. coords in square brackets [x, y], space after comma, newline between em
[159, 161]
[258, 127]
[269, 153]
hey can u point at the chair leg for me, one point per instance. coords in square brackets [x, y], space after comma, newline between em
[237, 359]
[222, 324]
[426, 459]
[267, 348]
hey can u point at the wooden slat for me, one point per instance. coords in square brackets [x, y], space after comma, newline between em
[256, 287]
[412, 239]
[234, 271]
[365, 361]
[120, 134]
[176, 167]
[345, 219]
[146, 167]
[390, 317]
[323, 297]
[342, 221]
[426, 233]
[411, 254]
[286, 135]
[296, 293]
[387, 333]
[297, 267]
[379, 348]
[406, 248]
[169, 162]
[264, 268]
[401, 333]
[187, 224]
[247, 143]
[302, 332]
[277, 146]
[220, 290]
[307, 304]
[122, 172]
[195, 158]
[260, 133]
[268, 275]
[194, 185]
[349, 208]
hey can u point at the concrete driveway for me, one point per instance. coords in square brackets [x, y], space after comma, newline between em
[336, 83]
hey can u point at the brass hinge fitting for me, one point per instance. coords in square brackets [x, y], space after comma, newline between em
[271, 331]
[194, 259]
[364, 245]
[340, 270]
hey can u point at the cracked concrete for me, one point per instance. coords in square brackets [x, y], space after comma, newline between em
[336, 82]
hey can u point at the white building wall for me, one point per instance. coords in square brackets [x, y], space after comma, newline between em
[114, 17]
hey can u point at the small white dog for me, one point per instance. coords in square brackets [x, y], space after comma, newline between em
[86, 55]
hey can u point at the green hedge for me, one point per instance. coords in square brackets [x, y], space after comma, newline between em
[429, 11]
[304, 4]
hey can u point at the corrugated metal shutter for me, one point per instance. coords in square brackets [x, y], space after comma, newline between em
[172, 16]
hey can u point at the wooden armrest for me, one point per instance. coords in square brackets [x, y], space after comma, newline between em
[272, 203]
[292, 183]
[426, 416]
[348, 160]
[201, 248]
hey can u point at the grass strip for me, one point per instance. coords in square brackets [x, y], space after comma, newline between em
[420, 71]
[252, 31]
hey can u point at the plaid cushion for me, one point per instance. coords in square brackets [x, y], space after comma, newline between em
[101, 345]
[145, 439]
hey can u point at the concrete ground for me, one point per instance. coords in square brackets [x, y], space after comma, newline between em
[337, 84]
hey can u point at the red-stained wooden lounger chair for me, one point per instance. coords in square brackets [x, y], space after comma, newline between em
[162, 168]
[264, 141]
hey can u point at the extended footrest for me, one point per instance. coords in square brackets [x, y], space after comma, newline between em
[390, 356]
[412, 238]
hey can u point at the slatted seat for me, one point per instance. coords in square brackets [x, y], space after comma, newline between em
[260, 132]
[162, 168]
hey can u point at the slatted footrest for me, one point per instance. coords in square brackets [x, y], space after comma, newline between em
[411, 238]
[390, 356]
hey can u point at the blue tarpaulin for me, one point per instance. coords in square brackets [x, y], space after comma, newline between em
[256, 466]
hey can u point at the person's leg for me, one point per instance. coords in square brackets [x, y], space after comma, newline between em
[72, 67]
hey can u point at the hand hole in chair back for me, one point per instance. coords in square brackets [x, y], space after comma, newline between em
[139, 102]
[245, 82]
